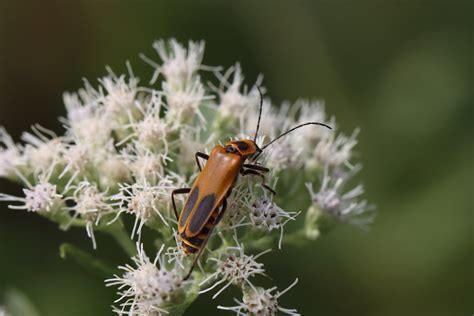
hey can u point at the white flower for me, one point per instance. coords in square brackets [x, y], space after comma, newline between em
[183, 104]
[179, 64]
[261, 302]
[78, 158]
[144, 289]
[94, 114]
[266, 215]
[121, 95]
[274, 120]
[233, 102]
[144, 201]
[91, 205]
[10, 155]
[43, 148]
[144, 165]
[237, 203]
[234, 267]
[335, 151]
[345, 207]
[307, 137]
[80, 106]
[284, 155]
[42, 196]
[151, 131]
[176, 253]
[94, 130]
[190, 142]
[113, 170]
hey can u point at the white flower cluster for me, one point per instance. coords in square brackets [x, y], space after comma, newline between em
[266, 215]
[234, 267]
[126, 147]
[261, 302]
[145, 288]
[340, 205]
[10, 155]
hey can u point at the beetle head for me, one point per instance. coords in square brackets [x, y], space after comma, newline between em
[242, 147]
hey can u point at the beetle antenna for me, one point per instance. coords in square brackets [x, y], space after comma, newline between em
[259, 114]
[294, 128]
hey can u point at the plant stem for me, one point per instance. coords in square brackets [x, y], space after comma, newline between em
[117, 231]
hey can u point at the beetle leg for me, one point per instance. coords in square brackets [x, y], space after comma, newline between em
[204, 243]
[200, 155]
[178, 191]
[256, 173]
[256, 167]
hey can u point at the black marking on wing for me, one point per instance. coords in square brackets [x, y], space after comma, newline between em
[189, 249]
[242, 145]
[195, 241]
[189, 206]
[200, 215]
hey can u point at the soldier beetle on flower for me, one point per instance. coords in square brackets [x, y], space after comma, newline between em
[207, 201]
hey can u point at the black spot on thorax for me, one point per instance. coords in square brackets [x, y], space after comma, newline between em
[242, 145]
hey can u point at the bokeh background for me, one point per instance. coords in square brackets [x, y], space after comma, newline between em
[401, 70]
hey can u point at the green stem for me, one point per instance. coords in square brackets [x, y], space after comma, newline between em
[261, 243]
[86, 260]
[296, 238]
[117, 231]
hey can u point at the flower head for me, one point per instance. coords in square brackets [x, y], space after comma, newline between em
[308, 137]
[335, 151]
[113, 170]
[144, 165]
[43, 196]
[267, 215]
[176, 253]
[95, 131]
[235, 267]
[235, 99]
[10, 154]
[43, 149]
[91, 205]
[343, 206]
[179, 64]
[120, 95]
[151, 130]
[146, 288]
[79, 158]
[261, 302]
[80, 105]
[238, 204]
[144, 201]
[185, 103]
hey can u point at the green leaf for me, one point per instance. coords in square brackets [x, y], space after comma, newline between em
[86, 260]
[18, 304]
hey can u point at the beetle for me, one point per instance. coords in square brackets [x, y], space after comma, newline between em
[207, 201]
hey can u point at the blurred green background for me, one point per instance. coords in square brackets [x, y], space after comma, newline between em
[401, 70]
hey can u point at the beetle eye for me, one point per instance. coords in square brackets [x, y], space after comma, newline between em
[230, 150]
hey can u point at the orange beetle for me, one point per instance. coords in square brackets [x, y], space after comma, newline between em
[206, 203]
